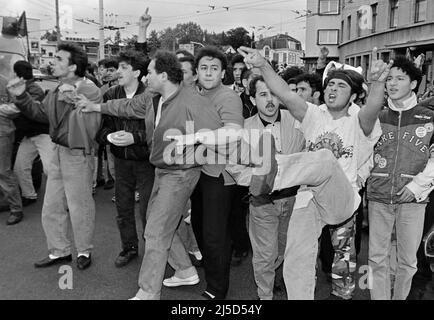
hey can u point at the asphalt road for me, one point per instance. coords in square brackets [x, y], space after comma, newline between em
[24, 243]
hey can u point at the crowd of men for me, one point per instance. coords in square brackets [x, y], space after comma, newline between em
[279, 164]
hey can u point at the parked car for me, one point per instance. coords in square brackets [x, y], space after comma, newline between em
[38, 75]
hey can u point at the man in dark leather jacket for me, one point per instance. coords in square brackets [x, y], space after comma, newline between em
[131, 154]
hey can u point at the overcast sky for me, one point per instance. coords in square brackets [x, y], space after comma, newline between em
[275, 15]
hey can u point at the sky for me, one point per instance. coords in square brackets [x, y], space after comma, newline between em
[272, 16]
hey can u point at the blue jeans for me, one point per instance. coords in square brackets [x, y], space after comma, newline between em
[171, 191]
[69, 186]
[8, 180]
[408, 218]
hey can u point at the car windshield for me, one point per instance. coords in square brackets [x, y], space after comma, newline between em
[7, 61]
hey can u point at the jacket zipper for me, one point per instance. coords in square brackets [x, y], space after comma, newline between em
[396, 157]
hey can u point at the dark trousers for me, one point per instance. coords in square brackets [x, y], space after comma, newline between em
[211, 204]
[129, 175]
[238, 222]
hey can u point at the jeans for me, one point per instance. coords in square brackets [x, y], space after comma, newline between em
[328, 199]
[170, 193]
[27, 152]
[69, 186]
[131, 173]
[408, 219]
[268, 229]
[8, 180]
[211, 205]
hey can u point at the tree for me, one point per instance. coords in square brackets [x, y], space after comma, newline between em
[189, 31]
[130, 43]
[50, 36]
[238, 37]
[153, 42]
[117, 39]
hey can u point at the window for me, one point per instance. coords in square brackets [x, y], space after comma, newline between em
[420, 11]
[328, 36]
[374, 17]
[359, 18]
[394, 4]
[328, 7]
[342, 30]
[349, 27]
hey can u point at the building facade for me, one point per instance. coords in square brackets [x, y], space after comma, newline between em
[393, 26]
[356, 26]
[281, 48]
[322, 30]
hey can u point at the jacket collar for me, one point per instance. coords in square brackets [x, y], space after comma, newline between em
[410, 103]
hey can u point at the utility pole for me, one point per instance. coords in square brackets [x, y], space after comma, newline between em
[101, 30]
[57, 22]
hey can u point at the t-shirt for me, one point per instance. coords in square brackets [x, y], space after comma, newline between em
[344, 137]
[230, 109]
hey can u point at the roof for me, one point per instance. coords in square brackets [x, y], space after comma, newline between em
[279, 41]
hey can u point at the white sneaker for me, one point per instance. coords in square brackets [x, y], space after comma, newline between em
[134, 298]
[176, 282]
[137, 196]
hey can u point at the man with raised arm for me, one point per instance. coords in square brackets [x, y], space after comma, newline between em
[330, 177]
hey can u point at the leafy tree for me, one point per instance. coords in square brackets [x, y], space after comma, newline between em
[153, 42]
[238, 37]
[50, 35]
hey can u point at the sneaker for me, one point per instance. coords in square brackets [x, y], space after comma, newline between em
[114, 199]
[176, 282]
[125, 257]
[137, 196]
[134, 298]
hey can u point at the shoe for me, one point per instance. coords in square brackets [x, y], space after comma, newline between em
[238, 258]
[263, 184]
[176, 282]
[114, 199]
[137, 196]
[109, 185]
[134, 298]
[14, 218]
[50, 262]
[83, 262]
[27, 201]
[125, 257]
